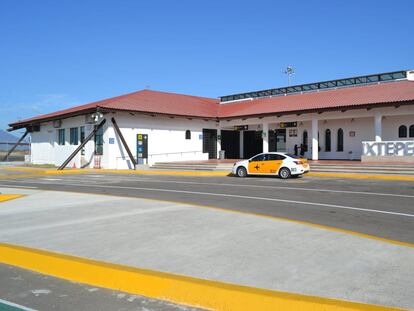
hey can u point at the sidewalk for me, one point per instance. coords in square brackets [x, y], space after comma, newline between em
[257, 253]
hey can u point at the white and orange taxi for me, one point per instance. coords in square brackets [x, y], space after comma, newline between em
[279, 164]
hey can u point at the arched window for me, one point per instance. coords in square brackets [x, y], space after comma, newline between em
[402, 131]
[187, 134]
[411, 131]
[340, 146]
[305, 138]
[327, 140]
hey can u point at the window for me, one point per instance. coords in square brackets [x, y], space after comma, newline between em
[260, 157]
[82, 134]
[327, 140]
[293, 156]
[74, 136]
[187, 134]
[99, 142]
[411, 131]
[82, 138]
[61, 137]
[402, 131]
[275, 157]
[305, 138]
[340, 146]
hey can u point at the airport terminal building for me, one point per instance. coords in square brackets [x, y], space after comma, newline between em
[368, 118]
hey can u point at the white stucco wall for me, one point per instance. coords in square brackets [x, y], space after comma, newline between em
[45, 147]
[166, 136]
[166, 140]
[363, 128]
[360, 121]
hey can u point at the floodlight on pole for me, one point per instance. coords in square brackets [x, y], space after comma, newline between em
[289, 71]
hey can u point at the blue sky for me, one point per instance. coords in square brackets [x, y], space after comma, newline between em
[56, 54]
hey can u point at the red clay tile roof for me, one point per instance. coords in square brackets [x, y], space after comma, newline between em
[350, 97]
[142, 101]
[193, 106]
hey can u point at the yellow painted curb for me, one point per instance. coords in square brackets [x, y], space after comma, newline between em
[39, 172]
[362, 176]
[166, 172]
[25, 169]
[179, 289]
[8, 197]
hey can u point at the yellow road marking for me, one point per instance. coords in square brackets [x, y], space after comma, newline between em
[166, 172]
[362, 176]
[191, 291]
[8, 197]
[39, 172]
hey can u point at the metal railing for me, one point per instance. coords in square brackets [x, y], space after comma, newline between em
[178, 152]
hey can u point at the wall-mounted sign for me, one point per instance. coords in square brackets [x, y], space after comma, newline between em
[111, 140]
[241, 127]
[283, 125]
[142, 147]
[352, 134]
[388, 148]
[293, 132]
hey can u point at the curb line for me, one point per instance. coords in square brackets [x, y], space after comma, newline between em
[45, 172]
[362, 176]
[171, 287]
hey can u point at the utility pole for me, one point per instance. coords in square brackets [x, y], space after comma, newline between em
[289, 71]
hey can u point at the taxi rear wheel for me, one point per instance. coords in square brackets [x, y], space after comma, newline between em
[284, 173]
[241, 172]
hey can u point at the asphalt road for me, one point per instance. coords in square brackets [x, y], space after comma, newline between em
[41, 292]
[375, 207]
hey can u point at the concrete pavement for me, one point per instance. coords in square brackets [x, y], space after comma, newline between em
[375, 207]
[212, 244]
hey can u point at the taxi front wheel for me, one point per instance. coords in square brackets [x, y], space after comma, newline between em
[241, 172]
[284, 173]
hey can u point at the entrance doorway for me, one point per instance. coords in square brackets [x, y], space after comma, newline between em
[280, 137]
[252, 143]
[230, 143]
[210, 143]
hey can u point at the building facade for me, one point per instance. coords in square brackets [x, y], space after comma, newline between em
[368, 117]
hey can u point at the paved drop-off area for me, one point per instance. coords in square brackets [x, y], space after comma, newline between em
[42, 292]
[212, 244]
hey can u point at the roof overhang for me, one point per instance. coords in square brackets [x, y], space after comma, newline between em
[320, 110]
[30, 122]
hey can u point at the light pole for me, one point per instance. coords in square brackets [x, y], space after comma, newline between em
[289, 71]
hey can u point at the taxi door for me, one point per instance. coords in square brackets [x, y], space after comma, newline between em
[272, 164]
[257, 164]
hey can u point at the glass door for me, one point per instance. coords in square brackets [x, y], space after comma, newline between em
[280, 140]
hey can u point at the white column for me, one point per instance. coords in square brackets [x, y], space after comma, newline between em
[378, 126]
[265, 137]
[218, 142]
[241, 144]
[315, 151]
